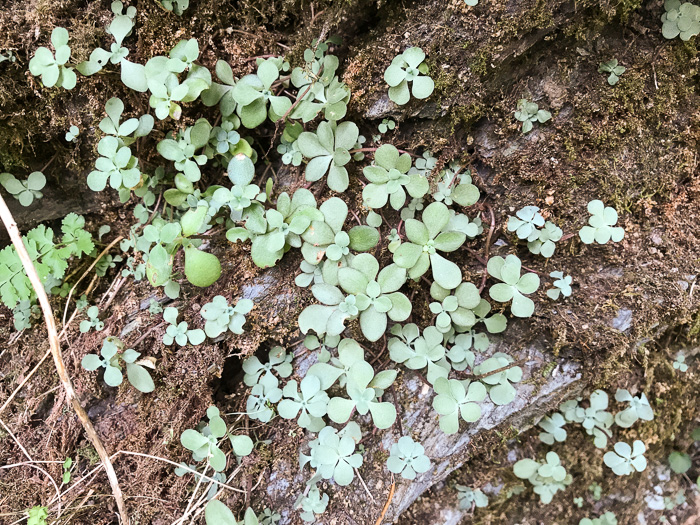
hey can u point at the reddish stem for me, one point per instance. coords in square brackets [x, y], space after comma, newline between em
[454, 178]
[487, 249]
[370, 150]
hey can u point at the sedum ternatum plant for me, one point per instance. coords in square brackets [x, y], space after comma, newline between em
[529, 112]
[204, 444]
[626, 459]
[364, 292]
[327, 150]
[328, 247]
[407, 458]
[120, 27]
[679, 362]
[457, 400]
[601, 225]
[456, 188]
[541, 236]
[113, 357]
[389, 180]
[93, 320]
[25, 191]
[513, 287]
[595, 419]
[221, 317]
[498, 384]
[333, 454]
[307, 400]
[526, 222]
[418, 351]
[547, 477]
[454, 310]
[349, 353]
[216, 513]
[264, 394]
[277, 360]
[255, 99]
[51, 66]
[425, 239]
[468, 497]
[553, 429]
[680, 19]
[180, 332]
[612, 67]
[115, 165]
[72, 133]
[561, 286]
[407, 67]
[639, 408]
[312, 505]
[363, 388]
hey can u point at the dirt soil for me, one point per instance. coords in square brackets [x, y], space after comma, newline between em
[634, 146]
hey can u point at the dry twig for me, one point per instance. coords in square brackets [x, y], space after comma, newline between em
[388, 502]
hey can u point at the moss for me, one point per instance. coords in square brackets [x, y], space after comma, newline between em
[539, 16]
[89, 453]
[626, 7]
[480, 61]
[694, 329]
[547, 369]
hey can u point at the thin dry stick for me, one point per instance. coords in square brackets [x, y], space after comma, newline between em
[493, 372]
[80, 505]
[196, 508]
[38, 286]
[88, 290]
[199, 502]
[102, 254]
[24, 450]
[202, 498]
[53, 481]
[371, 150]
[84, 479]
[388, 502]
[120, 282]
[128, 452]
[24, 381]
[364, 484]
[194, 493]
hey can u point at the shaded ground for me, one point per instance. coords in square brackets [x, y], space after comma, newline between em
[633, 145]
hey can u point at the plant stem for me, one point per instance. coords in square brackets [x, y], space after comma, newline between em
[497, 371]
[487, 249]
[370, 150]
[454, 178]
[380, 519]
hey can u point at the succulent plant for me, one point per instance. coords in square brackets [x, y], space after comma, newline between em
[548, 477]
[389, 179]
[529, 112]
[424, 239]
[601, 228]
[407, 458]
[612, 67]
[408, 67]
[514, 286]
[680, 20]
[457, 399]
[626, 459]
